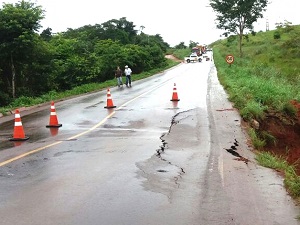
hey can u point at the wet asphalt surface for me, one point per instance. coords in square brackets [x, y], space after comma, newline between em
[149, 160]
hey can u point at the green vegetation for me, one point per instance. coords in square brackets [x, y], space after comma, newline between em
[32, 64]
[181, 53]
[86, 88]
[265, 80]
[257, 142]
[235, 16]
[291, 181]
[36, 68]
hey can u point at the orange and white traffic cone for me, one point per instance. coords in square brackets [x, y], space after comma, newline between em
[110, 103]
[19, 134]
[175, 95]
[53, 121]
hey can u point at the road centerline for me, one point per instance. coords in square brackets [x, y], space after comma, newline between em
[77, 135]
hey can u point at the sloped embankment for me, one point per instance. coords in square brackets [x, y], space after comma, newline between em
[286, 130]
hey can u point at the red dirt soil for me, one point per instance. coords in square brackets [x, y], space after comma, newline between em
[286, 130]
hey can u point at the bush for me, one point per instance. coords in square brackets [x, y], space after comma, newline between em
[276, 35]
[231, 39]
[4, 98]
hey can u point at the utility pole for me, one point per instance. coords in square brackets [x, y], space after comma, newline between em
[267, 25]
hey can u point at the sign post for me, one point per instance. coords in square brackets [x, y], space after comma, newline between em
[229, 59]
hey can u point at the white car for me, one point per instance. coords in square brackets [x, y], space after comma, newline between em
[193, 58]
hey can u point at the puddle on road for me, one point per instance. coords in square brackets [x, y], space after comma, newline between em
[95, 105]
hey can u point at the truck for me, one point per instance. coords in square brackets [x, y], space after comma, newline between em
[199, 49]
[193, 58]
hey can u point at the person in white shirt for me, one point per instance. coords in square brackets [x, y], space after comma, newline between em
[128, 73]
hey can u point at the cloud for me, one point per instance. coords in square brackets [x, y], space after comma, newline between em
[175, 21]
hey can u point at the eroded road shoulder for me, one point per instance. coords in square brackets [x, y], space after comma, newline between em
[241, 191]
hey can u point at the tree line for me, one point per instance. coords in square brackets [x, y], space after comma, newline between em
[34, 63]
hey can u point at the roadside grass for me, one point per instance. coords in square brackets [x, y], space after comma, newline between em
[257, 142]
[291, 180]
[181, 53]
[86, 88]
[265, 78]
[253, 85]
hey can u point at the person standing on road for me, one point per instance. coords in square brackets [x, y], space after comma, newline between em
[128, 73]
[118, 75]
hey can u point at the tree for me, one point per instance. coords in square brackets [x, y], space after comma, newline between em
[234, 16]
[181, 45]
[121, 30]
[193, 44]
[46, 34]
[18, 24]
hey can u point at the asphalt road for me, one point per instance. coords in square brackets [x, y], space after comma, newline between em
[149, 160]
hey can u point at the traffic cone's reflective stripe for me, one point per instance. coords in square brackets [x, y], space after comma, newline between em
[18, 124]
[18, 121]
[52, 108]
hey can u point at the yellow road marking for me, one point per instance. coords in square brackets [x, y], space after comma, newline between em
[27, 153]
[55, 143]
[75, 136]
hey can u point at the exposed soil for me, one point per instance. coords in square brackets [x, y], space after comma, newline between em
[286, 131]
[173, 58]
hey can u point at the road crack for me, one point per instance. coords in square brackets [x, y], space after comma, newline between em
[233, 150]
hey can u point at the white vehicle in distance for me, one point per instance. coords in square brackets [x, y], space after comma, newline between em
[193, 58]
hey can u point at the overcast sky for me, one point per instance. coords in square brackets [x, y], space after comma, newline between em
[176, 21]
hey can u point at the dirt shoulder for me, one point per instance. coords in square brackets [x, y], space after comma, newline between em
[286, 131]
[173, 58]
